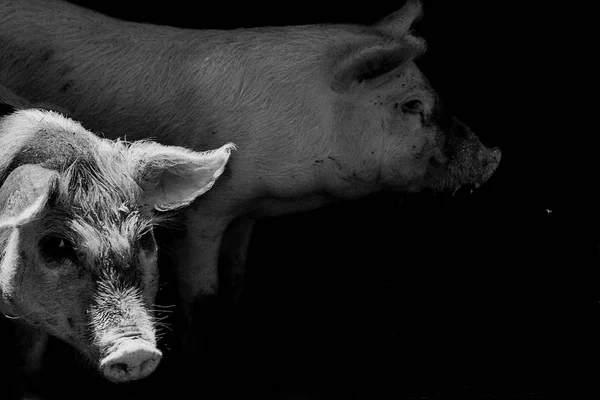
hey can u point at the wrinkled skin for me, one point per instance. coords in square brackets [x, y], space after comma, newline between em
[78, 258]
[319, 113]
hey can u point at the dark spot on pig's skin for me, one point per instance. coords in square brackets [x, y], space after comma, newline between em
[70, 321]
[47, 55]
[336, 161]
[66, 86]
[9, 300]
[319, 161]
[23, 256]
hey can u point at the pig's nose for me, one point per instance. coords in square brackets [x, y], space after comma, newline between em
[131, 361]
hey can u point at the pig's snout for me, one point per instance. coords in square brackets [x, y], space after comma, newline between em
[132, 361]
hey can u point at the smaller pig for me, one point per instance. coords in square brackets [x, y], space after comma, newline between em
[78, 259]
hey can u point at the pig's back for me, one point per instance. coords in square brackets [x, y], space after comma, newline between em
[263, 89]
[92, 64]
[138, 80]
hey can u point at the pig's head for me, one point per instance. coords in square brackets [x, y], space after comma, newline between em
[78, 256]
[390, 128]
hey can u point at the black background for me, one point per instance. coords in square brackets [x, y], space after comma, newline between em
[489, 295]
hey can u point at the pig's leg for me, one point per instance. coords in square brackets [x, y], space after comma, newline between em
[232, 264]
[196, 275]
[31, 347]
[197, 278]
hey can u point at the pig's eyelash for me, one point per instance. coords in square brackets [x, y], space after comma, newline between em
[159, 306]
[158, 316]
[161, 328]
[163, 325]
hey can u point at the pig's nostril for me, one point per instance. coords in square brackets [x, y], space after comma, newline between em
[117, 372]
[119, 368]
[149, 366]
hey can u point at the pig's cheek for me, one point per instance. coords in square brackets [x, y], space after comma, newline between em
[148, 261]
[405, 161]
[74, 303]
[62, 295]
[52, 298]
[33, 293]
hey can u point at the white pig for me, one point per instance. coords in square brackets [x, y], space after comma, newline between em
[78, 258]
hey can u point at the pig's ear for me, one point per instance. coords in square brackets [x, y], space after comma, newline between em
[24, 194]
[397, 24]
[172, 177]
[373, 64]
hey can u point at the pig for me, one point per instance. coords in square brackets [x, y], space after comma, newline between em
[78, 258]
[321, 113]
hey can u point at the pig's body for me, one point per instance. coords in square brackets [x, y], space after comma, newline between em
[318, 112]
[78, 259]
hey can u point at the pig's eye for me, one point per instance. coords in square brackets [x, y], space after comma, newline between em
[56, 248]
[413, 107]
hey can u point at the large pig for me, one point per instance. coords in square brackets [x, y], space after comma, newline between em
[78, 259]
[319, 112]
